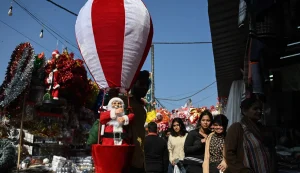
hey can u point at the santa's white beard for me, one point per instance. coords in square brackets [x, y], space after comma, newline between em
[115, 122]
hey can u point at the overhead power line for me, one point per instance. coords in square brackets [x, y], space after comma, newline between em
[160, 103]
[201, 42]
[69, 11]
[170, 103]
[24, 35]
[183, 94]
[49, 29]
[188, 96]
[52, 32]
[196, 102]
[63, 8]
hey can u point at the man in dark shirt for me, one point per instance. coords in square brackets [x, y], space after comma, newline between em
[156, 151]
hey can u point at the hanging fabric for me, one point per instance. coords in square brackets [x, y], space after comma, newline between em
[236, 95]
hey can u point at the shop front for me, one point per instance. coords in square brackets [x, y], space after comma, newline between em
[256, 50]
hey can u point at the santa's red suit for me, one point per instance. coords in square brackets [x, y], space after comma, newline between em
[114, 132]
[52, 81]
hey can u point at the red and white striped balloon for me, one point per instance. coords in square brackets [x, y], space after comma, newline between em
[114, 37]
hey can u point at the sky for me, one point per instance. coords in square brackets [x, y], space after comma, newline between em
[180, 70]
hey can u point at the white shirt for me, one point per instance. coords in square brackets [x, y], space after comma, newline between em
[176, 147]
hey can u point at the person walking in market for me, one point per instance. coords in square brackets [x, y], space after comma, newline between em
[176, 143]
[248, 144]
[156, 151]
[194, 145]
[214, 161]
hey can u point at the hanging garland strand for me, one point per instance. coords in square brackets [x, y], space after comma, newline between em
[22, 76]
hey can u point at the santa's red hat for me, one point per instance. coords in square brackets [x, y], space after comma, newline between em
[55, 53]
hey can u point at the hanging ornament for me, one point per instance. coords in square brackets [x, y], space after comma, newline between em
[42, 33]
[10, 11]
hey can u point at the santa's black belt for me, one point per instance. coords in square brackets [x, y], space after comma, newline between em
[115, 135]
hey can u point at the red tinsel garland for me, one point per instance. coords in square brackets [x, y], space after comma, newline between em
[74, 84]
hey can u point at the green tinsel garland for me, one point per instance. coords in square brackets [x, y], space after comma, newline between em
[8, 155]
[10, 71]
[22, 76]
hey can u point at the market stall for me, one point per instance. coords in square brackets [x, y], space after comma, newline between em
[44, 103]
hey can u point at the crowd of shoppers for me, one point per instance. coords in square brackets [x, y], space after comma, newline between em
[210, 148]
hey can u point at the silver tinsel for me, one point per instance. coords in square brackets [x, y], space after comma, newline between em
[21, 79]
[30, 113]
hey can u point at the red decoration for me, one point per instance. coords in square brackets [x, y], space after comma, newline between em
[71, 76]
[104, 156]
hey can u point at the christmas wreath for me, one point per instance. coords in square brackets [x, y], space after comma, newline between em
[19, 73]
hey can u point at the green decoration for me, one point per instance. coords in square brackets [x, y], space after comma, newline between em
[22, 76]
[93, 135]
[8, 156]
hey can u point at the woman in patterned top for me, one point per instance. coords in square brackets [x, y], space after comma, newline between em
[214, 161]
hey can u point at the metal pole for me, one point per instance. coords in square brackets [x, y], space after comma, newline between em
[152, 69]
[21, 131]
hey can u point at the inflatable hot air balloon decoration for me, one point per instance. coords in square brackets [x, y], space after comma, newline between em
[114, 37]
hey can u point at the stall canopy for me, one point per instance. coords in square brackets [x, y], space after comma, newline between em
[229, 42]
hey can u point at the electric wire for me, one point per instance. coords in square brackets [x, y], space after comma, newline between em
[43, 24]
[199, 101]
[194, 103]
[25, 36]
[187, 93]
[201, 42]
[187, 97]
[160, 103]
[169, 103]
[63, 8]
[52, 32]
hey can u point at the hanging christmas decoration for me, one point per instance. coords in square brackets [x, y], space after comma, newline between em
[21, 75]
[42, 33]
[10, 11]
[71, 77]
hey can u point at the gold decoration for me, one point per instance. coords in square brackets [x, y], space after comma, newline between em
[139, 140]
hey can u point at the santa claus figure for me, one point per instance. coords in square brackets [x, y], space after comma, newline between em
[113, 122]
[52, 79]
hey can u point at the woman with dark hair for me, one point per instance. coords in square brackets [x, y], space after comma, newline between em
[246, 147]
[194, 145]
[176, 142]
[214, 161]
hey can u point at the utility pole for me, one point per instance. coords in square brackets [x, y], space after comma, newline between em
[152, 69]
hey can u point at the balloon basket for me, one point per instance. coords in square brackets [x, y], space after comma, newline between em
[112, 159]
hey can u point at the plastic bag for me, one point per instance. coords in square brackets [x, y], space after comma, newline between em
[176, 169]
